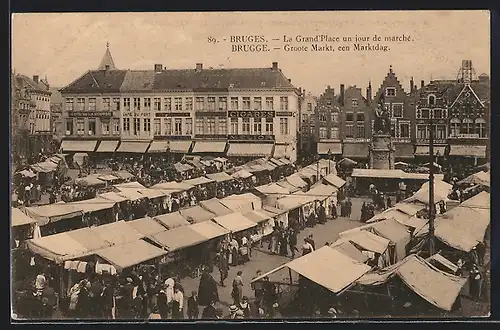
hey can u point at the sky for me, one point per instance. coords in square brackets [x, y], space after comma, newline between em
[63, 46]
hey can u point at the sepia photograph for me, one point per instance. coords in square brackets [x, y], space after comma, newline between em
[250, 166]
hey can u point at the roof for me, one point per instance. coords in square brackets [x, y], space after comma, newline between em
[173, 185]
[93, 204]
[196, 214]
[89, 239]
[90, 180]
[146, 226]
[25, 81]
[334, 180]
[329, 268]
[220, 177]
[117, 232]
[215, 206]
[18, 218]
[53, 212]
[107, 61]
[112, 196]
[350, 250]
[422, 196]
[172, 220]
[296, 181]
[135, 81]
[130, 254]
[209, 229]
[481, 200]
[379, 174]
[286, 185]
[123, 174]
[198, 181]
[482, 178]
[293, 201]
[133, 184]
[178, 238]
[392, 230]
[234, 222]
[242, 203]
[97, 81]
[367, 241]
[152, 193]
[242, 174]
[321, 191]
[272, 189]
[131, 194]
[258, 216]
[58, 247]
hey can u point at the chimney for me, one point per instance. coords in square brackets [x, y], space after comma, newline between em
[158, 68]
[421, 84]
[275, 66]
[199, 67]
[411, 85]
[290, 81]
[342, 94]
[35, 79]
[369, 91]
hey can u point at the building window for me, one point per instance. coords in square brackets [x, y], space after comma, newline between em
[360, 118]
[349, 131]
[223, 103]
[309, 107]
[234, 103]
[404, 130]
[80, 127]
[284, 128]
[322, 118]
[168, 126]
[481, 127]
[440, 132]
[106, 103]
[189, 126]
[200, 103]
[422, 132]
[178, 126]
[431, 100]
[189, 103]
[222, 126]
[467, 126]
[69, 104]
[157, 104]
[334, 133]
[234, 126]
[349, 116]
[269, 126]
[157, 126]
[167, 103]
[304, 117]
[116, 103]
[147, 103]
[257, 126]
[199, 126]
[390, 91]
[126, 126]
[438, 113]
[147, 125]
[126, 104]
[257, 103]
[360, 131]
[245, 127]
[424, 113]
[178, 103]
[116, 126]
[80, 105]
[211, 103]
[335, 117]
[137, 104]
[210, 126]
[137, 126]
[269, 103]
[355, 103]
[284, 103]
[246, 103]
[397, 110]
[69, 127]
[322, 132]
[393, 128]
[105, 128]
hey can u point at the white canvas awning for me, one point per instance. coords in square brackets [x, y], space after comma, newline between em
[78, 145]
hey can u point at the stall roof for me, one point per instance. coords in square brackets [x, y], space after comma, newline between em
[334, 180]
[346, 248]
[196, 214]
[258, 216]
[242, 203]
[271, 210]
[443, 261]
[53, 212]
[90, 180]
[243, 174]
[321, 191]
[112, 196]
[392, 230]
[220, 177]
[284, 184]
[408, 208]
[130, 254]
[296, 181]
[18, 218]
[307, 173]
[422, 196]
[146, 226]
[58, 247]
[480, 201]
[379, 174]
[329, 268]
[117, 232]
[93, 205]
[133, 184]
[256, 168]
[272, 189]
[107, 177]
[198, 181]
[27, 173]
[220, 159]
[172, 220]
[422, 176]
[209, 229]
[89, 239]
[234, 222]
[44, 167]
[367, 241]
[173, 185]
[152, 193]
[215, 206]
[438, 184]
[293, 201]
[178, 238]
[131, 194]
[180, 167]
[276, 162]
[124, 175]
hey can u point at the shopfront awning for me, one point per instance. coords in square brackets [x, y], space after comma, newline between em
[181, 147]
[332, 148]
[78, 145]
[130, 254]
[158, 147]
[424, 150]
[279, 151]
[404, 151]
[107, 146]
[250, 149]
[133, 147]
[468, 151]
[355, 150]
[209, 146]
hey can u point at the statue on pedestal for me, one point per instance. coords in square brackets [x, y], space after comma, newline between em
[382, 124]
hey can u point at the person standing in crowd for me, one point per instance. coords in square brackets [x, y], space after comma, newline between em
[155, 314]
[249, 245]
[311, 241]
[258, 289]
[210, 312]
[107, 300]
[363, 212]
[233, 309]
[223, 266]
[162, 302]
[333, 210]
[348, 207]
[169, 292]
[307, 247]
[95, 292]
[388, 202]
[274, 312]
[192, 306]
[244, 306]
[244, 249]
[234, 249]
[177, 303]
[292, 241]
[237, 292]
[321, 214]
[283, 239]
[207, 290]
[480, 250]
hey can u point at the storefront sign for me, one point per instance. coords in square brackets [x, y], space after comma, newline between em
[172, 114]
[251, 138]
[251, 114]
[211, 113]
[90, 114]
[136, 114]
[284, 114]
[465, 136]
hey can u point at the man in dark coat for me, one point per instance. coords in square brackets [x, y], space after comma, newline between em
[192, 306]
[107, 301]
[209, 312]
[95, 298]
[292, 242]
[223, 266]
[321, 214]
[207, 290]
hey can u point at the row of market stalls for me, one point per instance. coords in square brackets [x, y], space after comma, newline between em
[364, 260]
[44, 172]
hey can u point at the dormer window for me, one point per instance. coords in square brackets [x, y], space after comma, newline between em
[431, 100]
[390, 91]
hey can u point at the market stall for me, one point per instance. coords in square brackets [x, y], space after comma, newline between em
[196, 214]
[50, 217]
[146, 226]
[242, 203]
[172, 220]
[234, 222]
[215, 206]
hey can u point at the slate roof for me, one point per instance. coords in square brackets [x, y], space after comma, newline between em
[451, 89]
[97, 81]
[107, 60]
[25, 81]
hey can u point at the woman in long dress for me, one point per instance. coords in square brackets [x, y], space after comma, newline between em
[207, 290]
